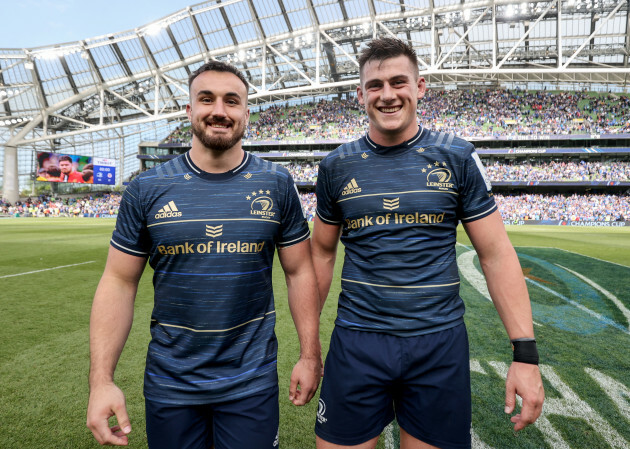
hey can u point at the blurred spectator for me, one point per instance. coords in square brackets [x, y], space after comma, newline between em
[541, 207]
[560, 171]
[513, 207]
[468, 113]
[47, 206]
[303, 172]
[531, 171]
[181, 134]
[560, 207]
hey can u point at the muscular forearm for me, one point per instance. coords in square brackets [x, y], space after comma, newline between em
[503, 273]
[324, 267]
[304, 306]
[110, 323]
[324, 249]
[508, 291]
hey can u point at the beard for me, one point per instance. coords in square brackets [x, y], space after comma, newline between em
[218, 143]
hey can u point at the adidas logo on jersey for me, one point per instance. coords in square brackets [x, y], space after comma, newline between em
[168, 211]
[351, 188]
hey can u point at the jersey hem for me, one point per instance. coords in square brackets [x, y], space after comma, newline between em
[212, 400]
[400, 333]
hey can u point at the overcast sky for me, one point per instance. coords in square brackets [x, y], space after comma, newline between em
[36, 23]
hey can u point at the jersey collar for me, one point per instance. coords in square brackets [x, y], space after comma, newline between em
[396, 149]
[216, 176]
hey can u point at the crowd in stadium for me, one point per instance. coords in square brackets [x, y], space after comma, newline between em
[466, 113]
[47, 206]
[541, 207]
[560, 171]
[500, 171]
[559, 207]
[519, 207]
[515, 112]
[303, 172]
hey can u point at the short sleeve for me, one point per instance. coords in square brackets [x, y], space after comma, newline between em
[477, 199]
[294, 228]
[326, 208]
[130, 234]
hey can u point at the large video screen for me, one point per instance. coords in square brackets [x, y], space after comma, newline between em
[55, 167]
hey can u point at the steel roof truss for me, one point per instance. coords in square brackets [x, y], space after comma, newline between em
[133, 105]
[599, 27]
[462, 37]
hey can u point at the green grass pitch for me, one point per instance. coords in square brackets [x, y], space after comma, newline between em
[578, 279]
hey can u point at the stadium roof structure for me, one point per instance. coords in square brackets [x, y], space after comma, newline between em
[63, 97]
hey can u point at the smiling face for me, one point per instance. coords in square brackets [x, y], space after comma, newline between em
[218, 110]
[390, 90]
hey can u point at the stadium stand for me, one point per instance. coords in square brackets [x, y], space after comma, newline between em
[98, 205]
[565, 175]
[467, 113]
[542, 150]
[539, 148]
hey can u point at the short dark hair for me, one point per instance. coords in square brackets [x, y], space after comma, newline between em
[385, 48]
[65, 158]
[218, 66]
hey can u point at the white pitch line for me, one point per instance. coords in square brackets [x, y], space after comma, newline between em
[46, 269]
[605, 292]
[474, 276]
[583, 308]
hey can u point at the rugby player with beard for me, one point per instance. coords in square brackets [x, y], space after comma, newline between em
[208, 222]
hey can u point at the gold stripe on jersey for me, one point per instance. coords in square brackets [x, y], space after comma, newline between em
[213, 219]
[398, 193]
[214, 330]
[400, 286]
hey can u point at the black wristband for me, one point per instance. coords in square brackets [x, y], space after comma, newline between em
[525, 351]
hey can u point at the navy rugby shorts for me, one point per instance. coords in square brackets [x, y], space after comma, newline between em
[423, 381]
[242, 423]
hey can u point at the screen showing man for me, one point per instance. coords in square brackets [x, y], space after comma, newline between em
[68, 170]
[54, 167]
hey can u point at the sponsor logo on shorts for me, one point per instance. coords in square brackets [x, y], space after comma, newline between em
[321, 411]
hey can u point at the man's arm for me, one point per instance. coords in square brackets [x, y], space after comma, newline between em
[324, 244]
[110, 323]
[507, 288]
[304, 304]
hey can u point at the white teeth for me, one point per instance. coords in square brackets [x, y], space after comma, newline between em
[389, 109]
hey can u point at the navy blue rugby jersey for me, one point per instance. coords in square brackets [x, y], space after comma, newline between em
[399, 208]
[210, 239]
